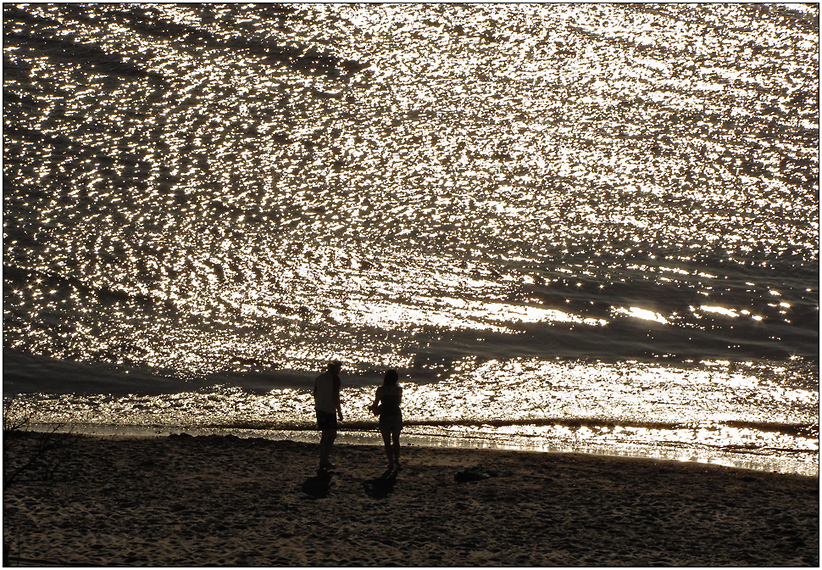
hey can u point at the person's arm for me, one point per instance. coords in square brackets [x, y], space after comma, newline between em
[337, 397]
[375, 407]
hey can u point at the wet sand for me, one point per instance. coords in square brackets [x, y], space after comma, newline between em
[197, 501]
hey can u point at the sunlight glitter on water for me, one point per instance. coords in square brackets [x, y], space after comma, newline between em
[205, 189]
[723, 406]
[197, 117]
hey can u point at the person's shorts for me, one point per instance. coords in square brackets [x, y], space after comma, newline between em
[326, 420]
[390, 423]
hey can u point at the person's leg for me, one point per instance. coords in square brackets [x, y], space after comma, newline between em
[386, 438]
[395, 436]
[324, 447]
[326, 442]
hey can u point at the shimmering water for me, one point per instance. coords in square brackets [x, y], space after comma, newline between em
[566, 225]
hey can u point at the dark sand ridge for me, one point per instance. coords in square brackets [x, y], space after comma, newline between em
[193, 501]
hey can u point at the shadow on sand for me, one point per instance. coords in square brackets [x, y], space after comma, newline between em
[318, 486]
[382, 486]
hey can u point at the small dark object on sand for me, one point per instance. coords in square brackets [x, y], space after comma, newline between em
[474, 474]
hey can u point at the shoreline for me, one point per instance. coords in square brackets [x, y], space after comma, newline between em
[701, 455]
[224, 500]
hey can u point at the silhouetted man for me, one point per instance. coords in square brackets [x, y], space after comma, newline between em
[327, 404]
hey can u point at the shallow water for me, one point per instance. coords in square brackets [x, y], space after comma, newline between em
[540, 214]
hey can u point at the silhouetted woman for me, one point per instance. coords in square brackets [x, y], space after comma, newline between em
[387, 406]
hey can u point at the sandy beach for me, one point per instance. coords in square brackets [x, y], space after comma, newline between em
[198, 501]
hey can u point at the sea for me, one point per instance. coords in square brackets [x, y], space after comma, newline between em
[582, 227]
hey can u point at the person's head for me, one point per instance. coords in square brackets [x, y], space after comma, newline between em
[334, 367]
[391, 378]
